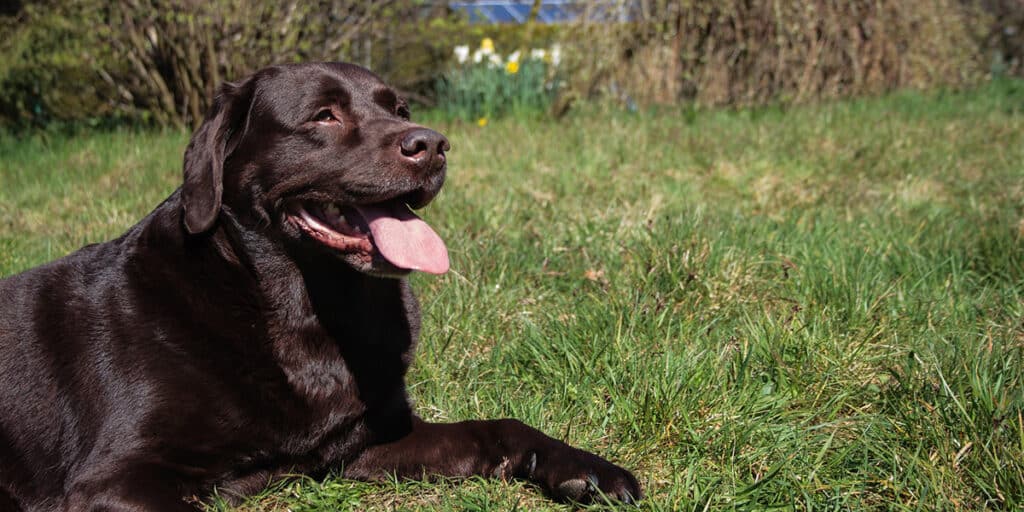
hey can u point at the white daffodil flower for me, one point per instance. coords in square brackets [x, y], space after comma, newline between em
[462, 53]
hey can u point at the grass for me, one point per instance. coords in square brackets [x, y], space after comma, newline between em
[814, 308]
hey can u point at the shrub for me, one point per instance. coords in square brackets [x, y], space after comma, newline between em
[736, 52]
[159, 61]
[44, 78]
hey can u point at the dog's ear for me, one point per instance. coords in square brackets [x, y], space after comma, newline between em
[211, 144]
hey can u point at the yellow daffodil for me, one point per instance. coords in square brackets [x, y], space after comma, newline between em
[481, 122]
[487, 45]
[512, 67]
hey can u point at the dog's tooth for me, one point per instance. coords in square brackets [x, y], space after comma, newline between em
[332, 210]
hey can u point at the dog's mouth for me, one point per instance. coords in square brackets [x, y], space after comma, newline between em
[390, 230]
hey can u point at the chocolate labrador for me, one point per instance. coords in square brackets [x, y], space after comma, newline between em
[257, 323]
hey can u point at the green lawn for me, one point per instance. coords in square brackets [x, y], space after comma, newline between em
[816, 308]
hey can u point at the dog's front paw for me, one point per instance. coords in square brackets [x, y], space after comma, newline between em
[579, 476]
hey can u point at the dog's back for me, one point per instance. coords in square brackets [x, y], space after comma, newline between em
[51, 356]
[69, 331]
[38, 423]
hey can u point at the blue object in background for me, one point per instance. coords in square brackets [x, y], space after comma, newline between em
[551, 11]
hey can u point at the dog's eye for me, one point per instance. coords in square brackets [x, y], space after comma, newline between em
[403, 112]
[325, 116]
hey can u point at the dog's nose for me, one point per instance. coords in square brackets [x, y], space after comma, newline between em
[425, 147]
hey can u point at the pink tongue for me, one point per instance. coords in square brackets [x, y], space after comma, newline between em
[404, 239]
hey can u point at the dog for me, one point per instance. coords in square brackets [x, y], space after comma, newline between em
[256, 324]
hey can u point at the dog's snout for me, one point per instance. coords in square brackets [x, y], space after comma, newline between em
[425, 147]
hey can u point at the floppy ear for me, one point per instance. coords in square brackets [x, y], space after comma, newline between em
[206, 152]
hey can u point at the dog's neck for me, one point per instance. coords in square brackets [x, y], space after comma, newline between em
[318, 314]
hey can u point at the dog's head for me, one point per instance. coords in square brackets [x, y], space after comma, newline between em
[325, 157]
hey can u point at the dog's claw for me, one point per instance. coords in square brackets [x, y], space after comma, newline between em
[574, 489]
[579, 489]
[627, 498]
[501, 471]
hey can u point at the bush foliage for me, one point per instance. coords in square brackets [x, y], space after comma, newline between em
[740, 52]
[159, 61]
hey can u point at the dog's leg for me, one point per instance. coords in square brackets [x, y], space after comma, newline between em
[135, 489]
[497, 448]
